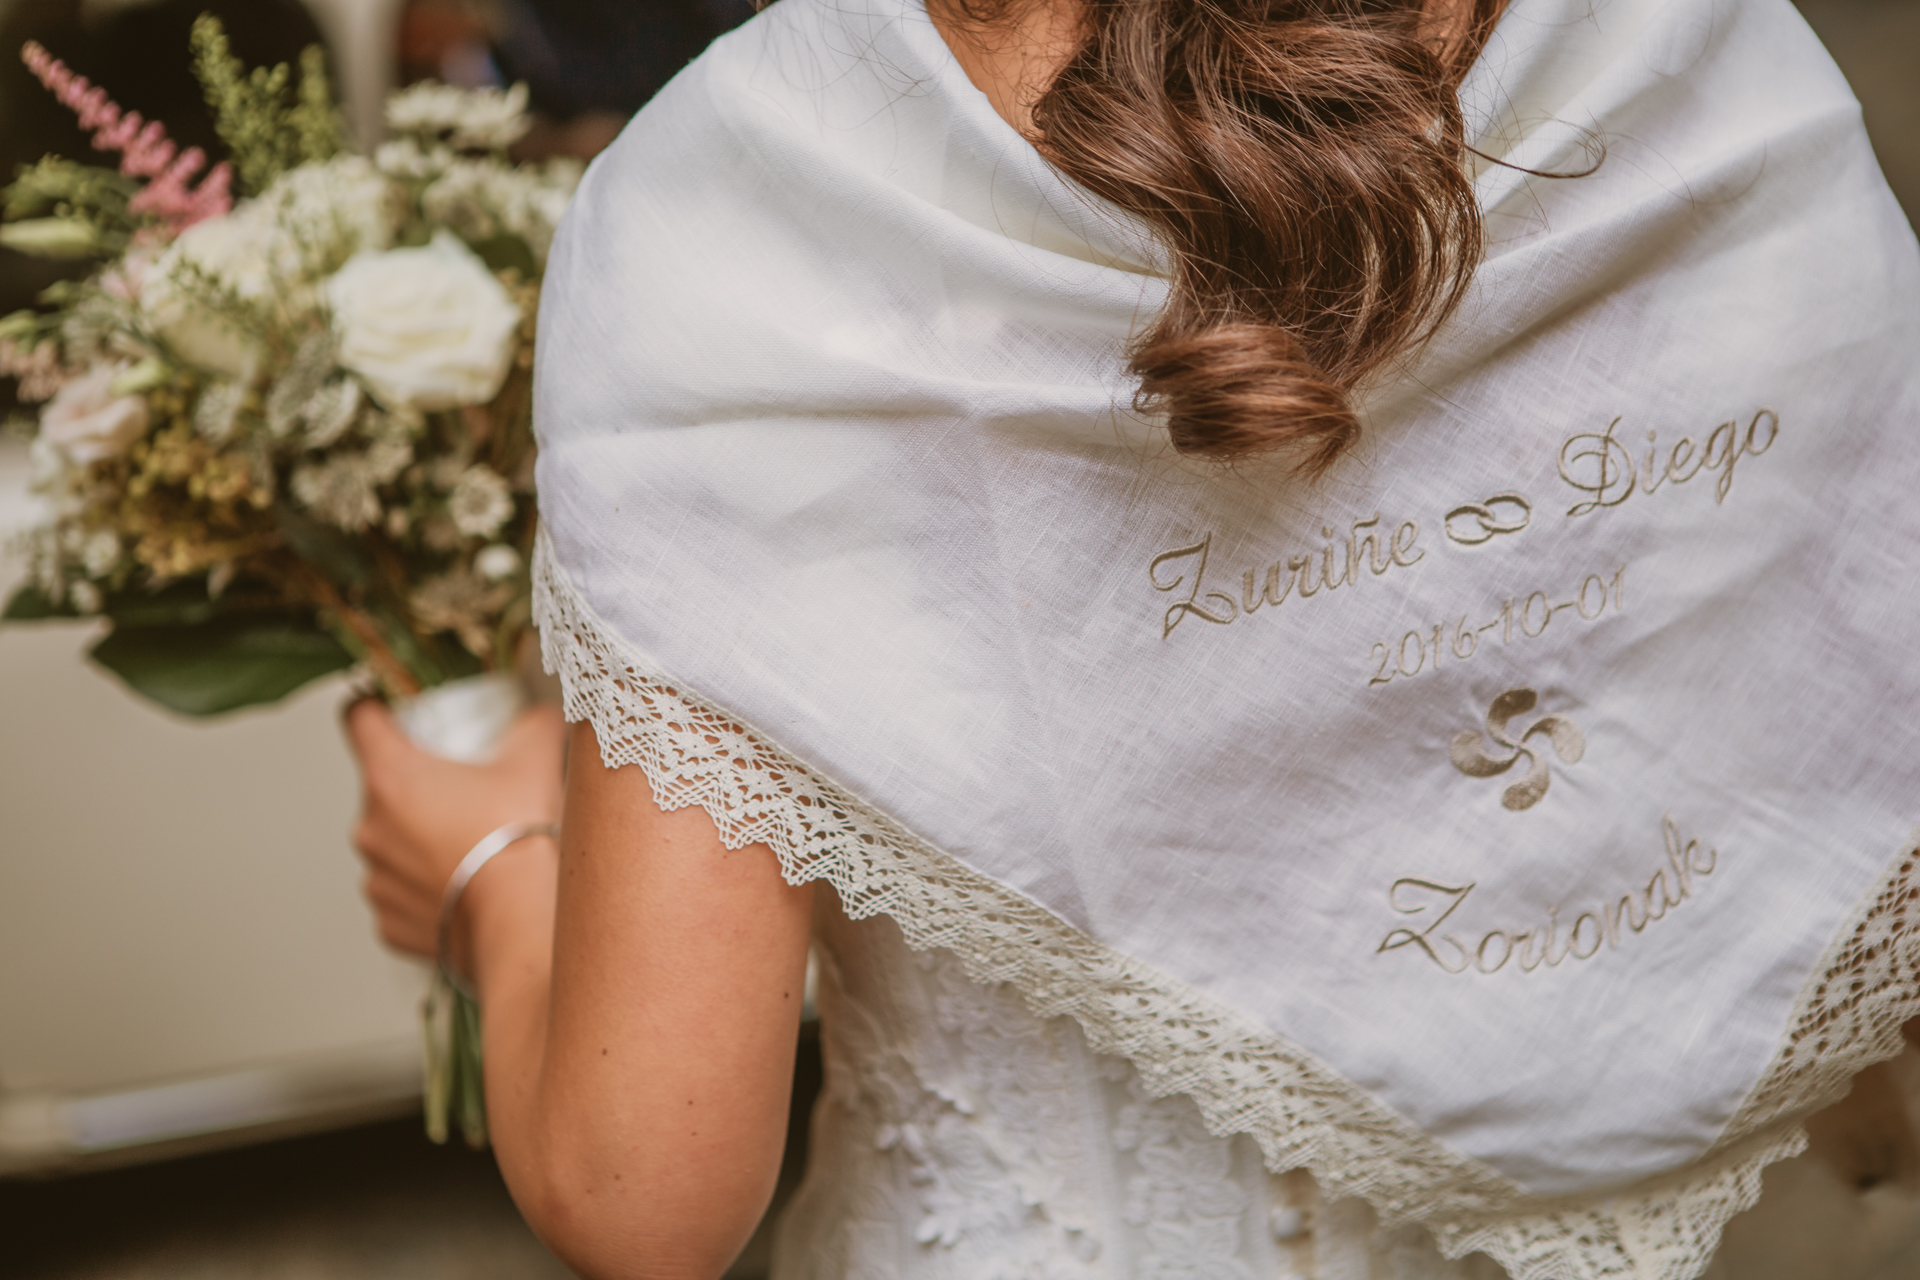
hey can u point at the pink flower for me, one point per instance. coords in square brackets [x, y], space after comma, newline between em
[145, 150]
[38, 368]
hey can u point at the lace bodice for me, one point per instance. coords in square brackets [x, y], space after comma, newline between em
[959, 1136]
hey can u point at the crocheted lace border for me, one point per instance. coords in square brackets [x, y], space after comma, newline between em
[1245, 1079]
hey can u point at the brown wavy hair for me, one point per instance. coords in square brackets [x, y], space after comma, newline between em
[1303, 164]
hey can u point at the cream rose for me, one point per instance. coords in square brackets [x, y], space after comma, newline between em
[265, 254]
[244, 253]
[86, 421]
[426, 328]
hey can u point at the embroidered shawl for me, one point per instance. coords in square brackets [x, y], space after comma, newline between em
[1512, 829]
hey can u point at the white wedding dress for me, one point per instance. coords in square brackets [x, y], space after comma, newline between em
[959, 1137]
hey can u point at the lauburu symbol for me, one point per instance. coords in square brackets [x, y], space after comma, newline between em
[1470, 756]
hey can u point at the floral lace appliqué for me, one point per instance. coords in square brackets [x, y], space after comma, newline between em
[1184, 1198]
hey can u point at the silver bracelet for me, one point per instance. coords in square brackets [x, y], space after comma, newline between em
[493, 842]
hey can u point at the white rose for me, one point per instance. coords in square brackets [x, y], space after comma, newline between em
[265, 254]
[244, 253]
[86, 421]
[426, 328]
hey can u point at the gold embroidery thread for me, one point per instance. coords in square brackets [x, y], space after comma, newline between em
[1531, 618]
[1179, 609]
[1470, 756]
[1473, 523]
[1336, 564]
[1599, 464]
[1530, 949]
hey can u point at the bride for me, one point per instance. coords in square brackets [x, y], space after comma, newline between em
[1306, 603]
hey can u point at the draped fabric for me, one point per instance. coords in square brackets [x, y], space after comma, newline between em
[1511, 829]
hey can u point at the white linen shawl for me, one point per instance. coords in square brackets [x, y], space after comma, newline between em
[1512, 829]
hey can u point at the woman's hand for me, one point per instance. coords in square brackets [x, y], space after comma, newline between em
[420, 814]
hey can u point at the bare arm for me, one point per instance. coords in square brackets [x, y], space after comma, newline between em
[641, 1009]
[639, 1098]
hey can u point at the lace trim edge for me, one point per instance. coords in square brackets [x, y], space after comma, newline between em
[1300, 1112]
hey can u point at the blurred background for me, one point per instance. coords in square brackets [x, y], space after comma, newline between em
[208, 1066]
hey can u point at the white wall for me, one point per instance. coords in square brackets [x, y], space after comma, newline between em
[178, 901]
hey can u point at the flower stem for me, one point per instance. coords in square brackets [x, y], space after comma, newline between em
[392, 673]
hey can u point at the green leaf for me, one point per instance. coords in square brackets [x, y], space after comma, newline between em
[507, 251]
[225, 663]
[336, 554]
[251, 111]
[23, 327]
[61, 239]
[94, 196]
[182, 603]
[315, 119]
[196, 655]
[143, 377]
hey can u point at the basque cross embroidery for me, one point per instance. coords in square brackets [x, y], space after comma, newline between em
[1470, 757]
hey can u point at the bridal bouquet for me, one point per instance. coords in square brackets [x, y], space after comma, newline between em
[288, 433]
